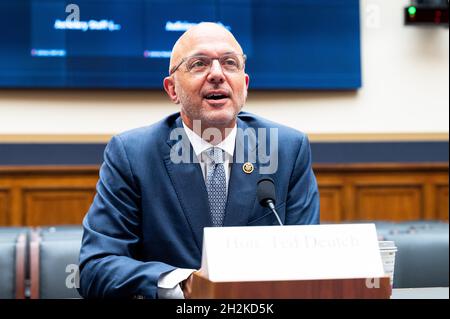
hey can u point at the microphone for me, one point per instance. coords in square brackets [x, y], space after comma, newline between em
[266, 195]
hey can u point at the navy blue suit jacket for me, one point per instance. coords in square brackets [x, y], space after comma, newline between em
[148, 215]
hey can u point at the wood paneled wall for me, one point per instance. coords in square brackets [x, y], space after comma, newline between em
[33, 196]
[394, 192]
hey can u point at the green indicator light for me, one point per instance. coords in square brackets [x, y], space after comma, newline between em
[412, 10]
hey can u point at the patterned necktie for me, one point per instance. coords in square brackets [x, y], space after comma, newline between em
[216, 186]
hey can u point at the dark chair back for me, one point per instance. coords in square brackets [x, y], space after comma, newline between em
[54, 263]
[422, 259]
[12, 263]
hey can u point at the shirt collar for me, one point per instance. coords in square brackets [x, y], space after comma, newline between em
[200, 145]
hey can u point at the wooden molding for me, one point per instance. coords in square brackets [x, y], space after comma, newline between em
[381, 167]
[37, 195]
[352, 288]
[5, 204]
[328, 167]
[50, 170]
[383, 191]
[378, 137]
[55, 138]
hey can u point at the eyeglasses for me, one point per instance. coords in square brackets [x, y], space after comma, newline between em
[201, 64]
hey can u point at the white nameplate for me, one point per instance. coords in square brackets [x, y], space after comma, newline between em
[272, 253]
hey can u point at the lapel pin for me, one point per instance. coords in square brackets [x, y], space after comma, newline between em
[248, 168]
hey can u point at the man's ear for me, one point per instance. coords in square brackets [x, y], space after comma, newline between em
[247, 81]
[169, 86]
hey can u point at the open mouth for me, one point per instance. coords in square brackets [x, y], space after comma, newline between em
[216, 96]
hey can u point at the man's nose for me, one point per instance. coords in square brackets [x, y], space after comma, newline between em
[216, 75]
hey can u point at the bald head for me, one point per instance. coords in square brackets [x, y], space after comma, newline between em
[213, 93]
[201, 38]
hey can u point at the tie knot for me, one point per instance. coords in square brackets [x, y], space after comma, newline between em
[215, 154]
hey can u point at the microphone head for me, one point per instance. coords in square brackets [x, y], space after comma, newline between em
[265, 191]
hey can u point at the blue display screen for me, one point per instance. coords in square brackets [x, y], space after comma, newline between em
[126, 44]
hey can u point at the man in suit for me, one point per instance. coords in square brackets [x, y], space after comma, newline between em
[160, 185]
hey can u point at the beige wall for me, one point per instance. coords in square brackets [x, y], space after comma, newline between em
[405, 90]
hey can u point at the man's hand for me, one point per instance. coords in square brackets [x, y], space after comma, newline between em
[186, 286]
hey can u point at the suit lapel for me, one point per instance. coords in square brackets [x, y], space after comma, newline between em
[242, 186]
[189, 184]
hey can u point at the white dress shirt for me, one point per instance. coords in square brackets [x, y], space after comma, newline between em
[200, 146]
[169, 283]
